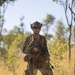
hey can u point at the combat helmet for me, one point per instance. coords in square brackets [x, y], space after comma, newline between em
[36, 24]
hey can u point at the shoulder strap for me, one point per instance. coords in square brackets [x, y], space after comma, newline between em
[31, 41]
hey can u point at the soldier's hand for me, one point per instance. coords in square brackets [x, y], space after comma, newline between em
[35, 49]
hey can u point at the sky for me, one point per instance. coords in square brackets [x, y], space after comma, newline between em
[32, 10]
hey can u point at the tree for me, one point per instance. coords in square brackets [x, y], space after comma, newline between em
[14, 52]
[68, 4]
[8, 39]
[3, 1]
[47, 23]
[3, 54]
[60, 31]
[11, 35]
[3, 7]
[22, 26]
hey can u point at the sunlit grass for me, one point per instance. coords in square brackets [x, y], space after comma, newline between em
[61, 67]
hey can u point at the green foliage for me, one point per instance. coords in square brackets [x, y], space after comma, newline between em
[1, 37]
[60, 33]
[3, 53]
[13, 42]
[3, 1]
[17, 30]
[54, 0]
[8, 39]
[0, 16]
[57, 49]
[49, 19]
[49, 36]
[11, 59]
[14, 53]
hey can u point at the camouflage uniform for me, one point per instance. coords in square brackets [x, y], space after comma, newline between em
[38, 60]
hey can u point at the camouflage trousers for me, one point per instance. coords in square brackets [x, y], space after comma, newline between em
[42, 66]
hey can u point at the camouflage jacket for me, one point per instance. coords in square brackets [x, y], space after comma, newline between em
[28, 50]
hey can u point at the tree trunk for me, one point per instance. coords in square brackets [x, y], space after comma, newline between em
[70, 43]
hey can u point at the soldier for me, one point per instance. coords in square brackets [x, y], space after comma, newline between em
[35, 46]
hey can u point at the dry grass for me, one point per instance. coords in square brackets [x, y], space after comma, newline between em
[61, 67]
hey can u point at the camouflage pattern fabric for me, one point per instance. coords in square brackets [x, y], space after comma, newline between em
[42, 42]
[34, 63]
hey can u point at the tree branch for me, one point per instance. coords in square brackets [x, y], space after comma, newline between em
[71, 10]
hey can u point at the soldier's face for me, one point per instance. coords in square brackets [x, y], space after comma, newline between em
[36, 30]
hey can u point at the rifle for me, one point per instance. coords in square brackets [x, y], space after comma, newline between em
[50, 65]
[42, 50]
